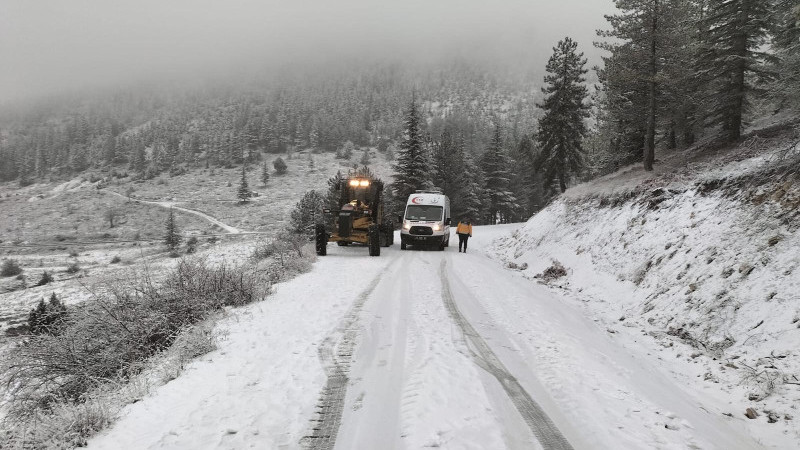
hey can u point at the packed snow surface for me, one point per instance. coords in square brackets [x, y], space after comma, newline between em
[436, 349]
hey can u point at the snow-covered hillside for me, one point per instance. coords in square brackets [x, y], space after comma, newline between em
[699, 264]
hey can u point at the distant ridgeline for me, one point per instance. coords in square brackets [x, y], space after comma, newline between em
[150, 131]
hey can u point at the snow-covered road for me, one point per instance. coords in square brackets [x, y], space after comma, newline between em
[419, 349]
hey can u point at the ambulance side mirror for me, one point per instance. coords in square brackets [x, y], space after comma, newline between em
[447, 221]
[400, 218]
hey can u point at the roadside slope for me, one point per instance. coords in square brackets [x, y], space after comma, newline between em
[701, 267]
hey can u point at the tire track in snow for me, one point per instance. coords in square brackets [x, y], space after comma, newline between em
[336, 355]
[537, 420]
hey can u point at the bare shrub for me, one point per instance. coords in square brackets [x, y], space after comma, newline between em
[64, 426]
[283, 246]
[288, 254]
[73, 268]
[552, 273]
[110, 337]
[266, 249]
[763, 380]
[67, 425]
[283, 269]
[196, 341]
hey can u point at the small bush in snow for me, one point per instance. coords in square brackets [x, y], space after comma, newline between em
[280, 165]
[47, 278]
[191, 245]
[553, 272]
[10, 268]
[265, 249]
[116, 259]
[64, 426]
[283, 246]
[291, 254]
[73, 268]
[514, 266]
[47, 318]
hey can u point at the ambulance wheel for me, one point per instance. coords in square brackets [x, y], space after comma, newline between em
[387, 235]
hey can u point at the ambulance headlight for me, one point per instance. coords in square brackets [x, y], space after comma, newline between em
[437, 227]
[406, 225]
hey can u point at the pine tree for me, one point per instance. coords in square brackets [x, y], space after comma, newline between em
[346, 151]
[787, 44]
[734, 56]
[171, 155]
[307, 213]
[650, 51]
[526, 183]
[471, 194]
[243, 192]
[110, 149]
[332, 197]
[313, 137]
[138, 158]
[496, 169]
[412, 168]
[47, 317]
[447, 164]
[78, 159]
[562, 128]
[264, 174]
[172, 237]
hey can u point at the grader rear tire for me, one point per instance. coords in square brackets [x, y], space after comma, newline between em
[374, 240]
[321, 237]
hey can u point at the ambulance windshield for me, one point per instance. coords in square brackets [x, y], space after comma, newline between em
[423, 212]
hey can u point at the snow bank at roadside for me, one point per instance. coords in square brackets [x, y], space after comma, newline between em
[707, 269]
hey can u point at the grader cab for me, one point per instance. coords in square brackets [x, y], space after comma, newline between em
[360, 218]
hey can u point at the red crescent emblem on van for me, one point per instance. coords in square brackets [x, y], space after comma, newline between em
[416, 200]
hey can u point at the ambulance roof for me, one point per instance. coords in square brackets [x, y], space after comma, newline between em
[426, 199]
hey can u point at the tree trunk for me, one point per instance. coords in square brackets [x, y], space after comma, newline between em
[650, 135]
[737, 77]
[672, 136]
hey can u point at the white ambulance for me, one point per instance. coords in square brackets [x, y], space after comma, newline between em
[426, 221]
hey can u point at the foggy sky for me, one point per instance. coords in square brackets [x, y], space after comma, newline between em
[47, 46]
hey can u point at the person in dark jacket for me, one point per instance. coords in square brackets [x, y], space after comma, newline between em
[464, 232]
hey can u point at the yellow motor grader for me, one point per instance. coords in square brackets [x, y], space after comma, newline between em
[360, 218]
